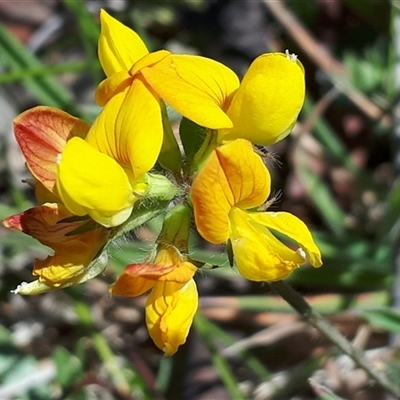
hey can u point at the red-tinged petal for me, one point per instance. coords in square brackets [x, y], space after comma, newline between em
[170, 310]
[148, 270]
[43, 223]
[13, 222]
[130, 283]
[169, 266]
[119, 46]
[42, 133]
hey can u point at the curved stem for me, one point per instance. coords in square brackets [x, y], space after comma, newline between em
[332, 334]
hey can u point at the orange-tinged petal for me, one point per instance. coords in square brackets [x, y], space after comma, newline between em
[67, 264]
[119, 46]
[169, 265]
[212, 199]
[129, 129]
[90, 182]
[170, 310]
[131, 283]
[258, 254]
[270, 97]
[108, 88]
[72, 252]
[42, 133]
[197, 87]
[44, 223]
[293, 228]
[233, 175]
[43, 195]
[248, 177]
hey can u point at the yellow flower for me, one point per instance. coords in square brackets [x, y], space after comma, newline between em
[91, 182]
[194, 86]
[173, 300]
[98, 171]
[52, 226]
[263, 109]
[232, 181]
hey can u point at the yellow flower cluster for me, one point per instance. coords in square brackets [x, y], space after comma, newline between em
[91, 180]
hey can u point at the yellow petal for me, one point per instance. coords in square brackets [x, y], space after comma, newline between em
[197, 87]
[66, 265]
[108, 88]
[270, 97]
[149, 60]
[90, 182]
[119, 46]
[170, 310]
[294, 229]
[258, 254]
[233, 175]
[248, 177]
[129, 128]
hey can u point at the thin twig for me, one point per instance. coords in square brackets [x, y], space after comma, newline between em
[333, 335]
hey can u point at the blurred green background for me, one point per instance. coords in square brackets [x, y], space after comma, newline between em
[339, 173]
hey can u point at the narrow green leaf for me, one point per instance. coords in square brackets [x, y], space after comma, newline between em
[15, 57]
[384, 318]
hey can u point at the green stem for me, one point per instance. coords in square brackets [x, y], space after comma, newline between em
[332, 334]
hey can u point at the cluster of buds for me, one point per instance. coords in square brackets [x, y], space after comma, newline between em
[94, 182]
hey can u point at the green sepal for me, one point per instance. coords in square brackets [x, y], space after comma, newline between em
[176, 228]
[192, 137]
[160, 187]
[170, 156]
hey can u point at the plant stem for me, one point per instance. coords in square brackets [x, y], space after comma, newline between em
[332, 334]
